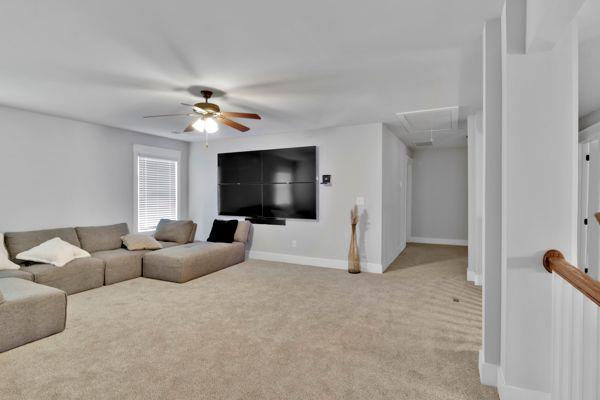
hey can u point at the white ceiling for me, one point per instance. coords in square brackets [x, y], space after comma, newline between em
[301, 65]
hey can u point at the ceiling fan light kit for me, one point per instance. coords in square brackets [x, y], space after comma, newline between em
[209, 116]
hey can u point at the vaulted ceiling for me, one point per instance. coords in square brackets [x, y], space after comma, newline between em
[301, 65]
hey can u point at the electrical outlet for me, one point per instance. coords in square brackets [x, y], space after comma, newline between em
[294, 243]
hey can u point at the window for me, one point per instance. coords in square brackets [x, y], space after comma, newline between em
[156, 194]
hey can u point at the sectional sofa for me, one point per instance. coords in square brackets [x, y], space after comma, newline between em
[39, 290]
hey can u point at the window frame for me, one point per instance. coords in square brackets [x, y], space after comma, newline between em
[161, 154]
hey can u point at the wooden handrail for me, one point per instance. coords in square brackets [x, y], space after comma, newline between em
[554, 261]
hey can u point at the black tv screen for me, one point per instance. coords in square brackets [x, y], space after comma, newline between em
[279, 183]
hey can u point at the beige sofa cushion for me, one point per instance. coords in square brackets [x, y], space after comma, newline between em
[120, 264]
[242, 232]
[174, 231]
[166, 245]
[193, 234]
[18, 242]
[139, 241]
[78, 275]
[99, 238]
[189, 261]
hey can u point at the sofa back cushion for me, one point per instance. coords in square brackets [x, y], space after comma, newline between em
[193, 234]
[242, 232]
[174, 231]
[18, 242]
[101, 238]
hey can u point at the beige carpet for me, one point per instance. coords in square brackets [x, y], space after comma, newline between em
[264, 330]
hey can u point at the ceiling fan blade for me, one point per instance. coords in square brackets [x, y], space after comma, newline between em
[170, 115]
[187, 104]
[233, 124]
[189, 128]
[240, 115]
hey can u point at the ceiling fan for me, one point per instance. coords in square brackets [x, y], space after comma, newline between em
[209, 116]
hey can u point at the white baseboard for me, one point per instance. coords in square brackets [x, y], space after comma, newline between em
[474, 277]
[508, 392]
[488, 373]
[312, 261]
[450, 242]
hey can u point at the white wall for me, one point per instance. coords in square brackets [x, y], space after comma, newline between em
[395, 161]
[539, 196]
[492, 235]
[58, 172]
[352, 155]
[439, 201]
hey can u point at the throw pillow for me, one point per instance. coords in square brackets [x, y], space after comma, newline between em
[5, 262]
[174, 231]
[223, 231]
[54, 251]
[138, 241]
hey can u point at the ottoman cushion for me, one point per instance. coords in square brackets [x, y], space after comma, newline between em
[29, 312]
[189, 261]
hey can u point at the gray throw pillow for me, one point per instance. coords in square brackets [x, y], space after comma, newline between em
[174, 231]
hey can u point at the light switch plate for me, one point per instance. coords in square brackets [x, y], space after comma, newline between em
[360, 201]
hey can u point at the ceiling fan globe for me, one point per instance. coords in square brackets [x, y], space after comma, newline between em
[211, 125]
[199, 125]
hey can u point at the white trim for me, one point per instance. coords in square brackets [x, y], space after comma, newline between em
[488, 373]
[450, 242]
[474, 277]
[508, 392]
[590, 133]
[158, 152]
[312, 261]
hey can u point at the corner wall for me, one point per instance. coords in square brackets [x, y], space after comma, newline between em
[58, 172]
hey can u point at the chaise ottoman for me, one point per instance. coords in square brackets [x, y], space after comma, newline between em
[29, 312]
[193, 260]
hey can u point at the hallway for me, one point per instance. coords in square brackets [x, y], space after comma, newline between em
[434, 277]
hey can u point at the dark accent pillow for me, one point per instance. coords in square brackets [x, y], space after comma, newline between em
[222, 231]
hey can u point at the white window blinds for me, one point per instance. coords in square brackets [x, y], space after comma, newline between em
[157, 191]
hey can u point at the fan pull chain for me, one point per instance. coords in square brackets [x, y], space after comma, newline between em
[206, 139]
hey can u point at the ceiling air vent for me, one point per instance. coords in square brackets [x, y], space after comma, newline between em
[421, 125]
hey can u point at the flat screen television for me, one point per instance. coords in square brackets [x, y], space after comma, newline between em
[279, 183]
